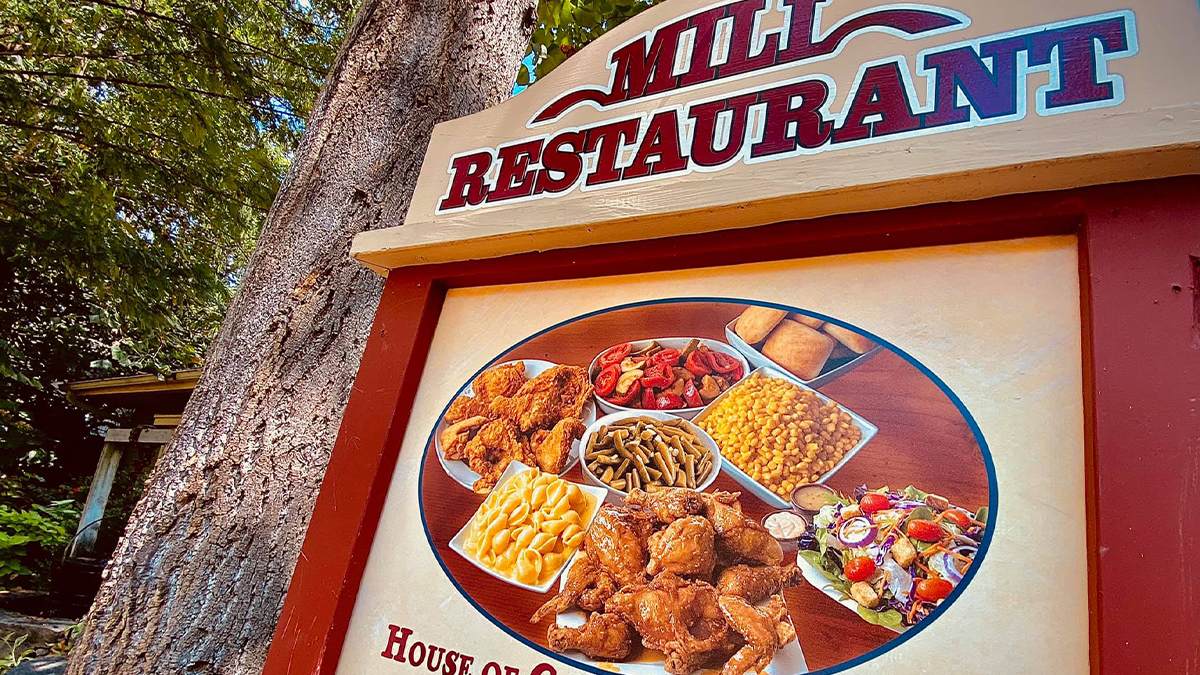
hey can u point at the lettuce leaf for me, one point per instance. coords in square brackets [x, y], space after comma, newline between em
[889, 618]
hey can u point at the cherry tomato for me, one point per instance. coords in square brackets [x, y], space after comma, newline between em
[648, 396]
[933, 589]
[668, 357]
[697, 364]
[723, 363]
[958, 518]
[658, 375]
[606, 381]
[873, 501]
[669, 401]
[614, 355]
[924, 530]
[859, 569]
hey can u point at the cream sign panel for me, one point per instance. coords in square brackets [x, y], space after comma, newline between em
[695, 116]
[963, 84]
[783, 468]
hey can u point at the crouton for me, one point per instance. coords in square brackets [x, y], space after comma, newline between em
[865, 595]
[903, 551]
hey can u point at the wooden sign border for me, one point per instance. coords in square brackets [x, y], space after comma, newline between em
[1139, 251]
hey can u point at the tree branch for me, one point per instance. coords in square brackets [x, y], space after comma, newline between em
[164, 86]
[187, 24]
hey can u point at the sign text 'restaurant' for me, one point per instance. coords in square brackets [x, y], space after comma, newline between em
[970, 83]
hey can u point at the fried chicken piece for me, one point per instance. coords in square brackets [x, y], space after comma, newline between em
[502, 380]
[618, 539]
[587, 587]
[552, 449]
[456, 436]
[755, 584]
[739, 537]
[685, 547]
[667, 505]
[490, 451]
[602, 636]
[560, 391]
[679, 618]
[765, 631]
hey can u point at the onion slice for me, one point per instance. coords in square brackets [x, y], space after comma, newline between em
[857, 532]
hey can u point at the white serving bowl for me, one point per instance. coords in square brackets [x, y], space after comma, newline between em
[673, 343]
[460, 472]
[761, 491]
[458, 543]
[705, 439]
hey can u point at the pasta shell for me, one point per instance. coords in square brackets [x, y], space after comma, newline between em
[574, 541]
[555, 527]
[523, 535]
[500, 540]
[561, 506]
[538, 497]
[519, 514]
[543, 542]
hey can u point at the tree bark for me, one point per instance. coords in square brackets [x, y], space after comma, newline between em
[197, 583]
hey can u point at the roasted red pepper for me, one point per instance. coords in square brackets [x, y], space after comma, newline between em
[669, 401]
[691, 395]
[657, 376]
[628, 397]
[614, 355]
[606, 381]
[697, 364]
[668, 357]
[648, 396]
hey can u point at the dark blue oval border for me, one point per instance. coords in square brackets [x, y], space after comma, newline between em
[993, 496]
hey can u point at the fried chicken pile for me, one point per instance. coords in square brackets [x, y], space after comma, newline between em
[684, 573]
[533, 421]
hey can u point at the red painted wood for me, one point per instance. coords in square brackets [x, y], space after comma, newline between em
[316, 612]
[1142, 377]
[1146, 429]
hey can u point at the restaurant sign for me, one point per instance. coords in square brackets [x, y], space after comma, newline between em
[947, 87]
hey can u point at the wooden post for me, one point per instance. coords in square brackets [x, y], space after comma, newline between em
[106, 473]
[97, 499]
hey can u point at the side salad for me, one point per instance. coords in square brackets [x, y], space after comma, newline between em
[896, 554]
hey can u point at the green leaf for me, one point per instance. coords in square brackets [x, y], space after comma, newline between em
[889, 618]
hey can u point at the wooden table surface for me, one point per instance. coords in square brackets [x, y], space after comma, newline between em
[923, 440]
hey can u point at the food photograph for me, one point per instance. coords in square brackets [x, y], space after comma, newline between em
[717, 486]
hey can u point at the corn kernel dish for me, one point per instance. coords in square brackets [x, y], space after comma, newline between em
[781, 434]
[528, 527]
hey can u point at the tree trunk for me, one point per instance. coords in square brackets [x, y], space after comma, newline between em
[198, 581]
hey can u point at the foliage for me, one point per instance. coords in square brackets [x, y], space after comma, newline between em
[32, 539]
[67, 639]
[566, 26]
[13, 651]
[141, 144]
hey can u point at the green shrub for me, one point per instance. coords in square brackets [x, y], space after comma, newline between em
[31, 540]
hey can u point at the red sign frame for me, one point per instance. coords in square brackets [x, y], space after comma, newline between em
[1140, 293]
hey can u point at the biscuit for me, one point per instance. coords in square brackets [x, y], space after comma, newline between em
[858, 343]
[810, 321]
[798, 348]
[756, 322]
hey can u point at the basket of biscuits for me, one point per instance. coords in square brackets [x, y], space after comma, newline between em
[806, 346]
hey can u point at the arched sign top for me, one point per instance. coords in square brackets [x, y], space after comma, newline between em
[697, 115]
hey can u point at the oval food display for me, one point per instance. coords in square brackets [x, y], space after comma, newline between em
[750, 484]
